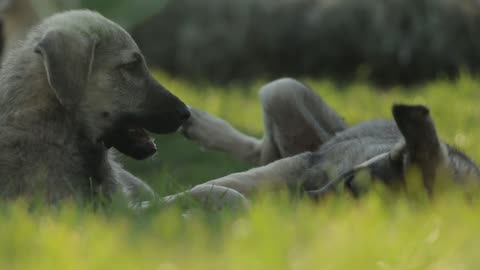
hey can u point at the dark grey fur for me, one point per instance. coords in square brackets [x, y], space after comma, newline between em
[77, 83]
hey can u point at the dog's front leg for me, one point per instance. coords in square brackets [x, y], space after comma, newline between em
[136, 191]
[231, 190]
[217, 134]
[286, 172]
[210, 197]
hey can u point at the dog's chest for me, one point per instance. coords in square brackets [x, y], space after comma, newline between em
[96, 168]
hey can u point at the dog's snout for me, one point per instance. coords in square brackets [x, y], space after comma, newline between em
[183, 112]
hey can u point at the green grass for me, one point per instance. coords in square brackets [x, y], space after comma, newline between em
[379, 232]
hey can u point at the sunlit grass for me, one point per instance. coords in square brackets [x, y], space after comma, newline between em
[381, 231]
[374, 233]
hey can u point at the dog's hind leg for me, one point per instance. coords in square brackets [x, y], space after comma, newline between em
[278, 175]
[296, 120]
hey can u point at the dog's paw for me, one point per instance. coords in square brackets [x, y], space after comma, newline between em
[218, 198]
[203, 127]
[193, 126]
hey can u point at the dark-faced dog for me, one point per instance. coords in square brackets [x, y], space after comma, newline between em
[77, 87]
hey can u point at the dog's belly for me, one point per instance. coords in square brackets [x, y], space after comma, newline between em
[350, 148]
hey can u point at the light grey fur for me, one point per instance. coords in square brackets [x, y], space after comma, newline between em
[60, 91]
[307, 144]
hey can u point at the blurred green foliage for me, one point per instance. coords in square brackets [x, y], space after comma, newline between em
[385, 40]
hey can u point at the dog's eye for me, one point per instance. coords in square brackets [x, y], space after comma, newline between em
[132, 65]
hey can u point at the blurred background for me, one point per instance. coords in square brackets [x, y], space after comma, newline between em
[360, 55]
[223, 41]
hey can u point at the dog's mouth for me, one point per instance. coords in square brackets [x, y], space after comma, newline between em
[128, 133]
[132, 141]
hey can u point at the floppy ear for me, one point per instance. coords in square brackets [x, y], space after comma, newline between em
[421, 140]
[68, 59]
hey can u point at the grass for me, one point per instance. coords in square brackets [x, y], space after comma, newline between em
[379, 232]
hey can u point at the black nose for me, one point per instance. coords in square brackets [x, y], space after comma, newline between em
[184, 113]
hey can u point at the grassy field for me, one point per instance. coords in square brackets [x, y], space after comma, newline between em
[379, 232]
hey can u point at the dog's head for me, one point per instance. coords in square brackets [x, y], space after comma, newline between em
[98, 73]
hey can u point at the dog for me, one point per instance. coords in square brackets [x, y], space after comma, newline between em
[74, 90]
[307, 144]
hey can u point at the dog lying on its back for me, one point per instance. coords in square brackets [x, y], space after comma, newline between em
[75, 87]
[307, 144]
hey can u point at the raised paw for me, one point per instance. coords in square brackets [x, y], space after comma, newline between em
[204, 128]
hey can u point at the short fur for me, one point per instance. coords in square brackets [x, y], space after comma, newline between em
[307, 144]
[75, 87]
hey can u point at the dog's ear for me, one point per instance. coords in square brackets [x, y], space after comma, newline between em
[422, 144]
[68, 59]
